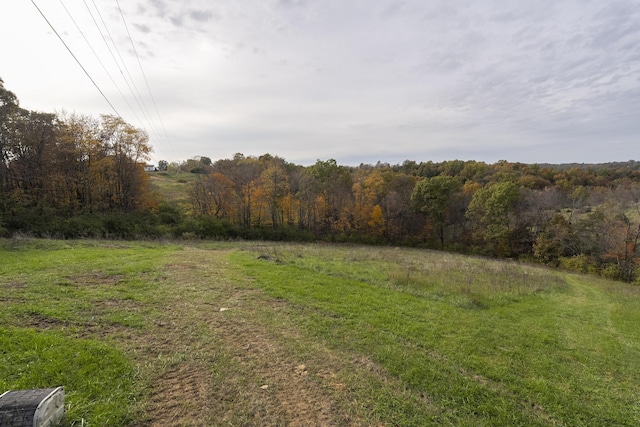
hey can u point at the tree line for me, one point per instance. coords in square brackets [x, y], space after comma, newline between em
[53, 165]
[78, 176]
[585, 218]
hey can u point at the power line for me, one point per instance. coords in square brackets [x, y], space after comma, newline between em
[115, 60]
[76, 59]
[143, 107]
[128, 81]
[136, 94]
[135, 51]
[153, 101]
[99, 60]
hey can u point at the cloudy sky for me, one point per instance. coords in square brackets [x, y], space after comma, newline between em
[547, 81]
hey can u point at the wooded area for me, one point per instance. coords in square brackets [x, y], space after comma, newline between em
[73, 165]
[580, 217]
[78, 176]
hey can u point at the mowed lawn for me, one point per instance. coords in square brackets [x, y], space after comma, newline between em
[152, 333]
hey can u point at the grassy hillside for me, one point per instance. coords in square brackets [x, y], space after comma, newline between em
[173, 186]
[263, 334]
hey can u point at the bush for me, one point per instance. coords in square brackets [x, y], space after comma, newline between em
[611, 271]
[208, 227]
[579, 263]
[82, 226]
[169, 215]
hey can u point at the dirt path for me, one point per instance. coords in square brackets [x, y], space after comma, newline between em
[213, 360]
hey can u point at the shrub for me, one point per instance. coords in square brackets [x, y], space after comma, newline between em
[579, 263]
[611, 271]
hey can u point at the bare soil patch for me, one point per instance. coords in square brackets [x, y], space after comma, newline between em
[41, 322]
[80, 329]
[96, 278]
[14, 285]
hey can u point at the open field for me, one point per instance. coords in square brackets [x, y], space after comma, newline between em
[243, 334]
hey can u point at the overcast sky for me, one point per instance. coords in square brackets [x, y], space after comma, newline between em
[359, 81]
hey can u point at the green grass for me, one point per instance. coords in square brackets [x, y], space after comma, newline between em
[63, 304]
[173, 185]
[488, 343]
[98, 380]
[396, 337]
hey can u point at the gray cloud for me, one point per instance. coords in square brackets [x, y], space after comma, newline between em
[201, 15]
[177, 20]
[142, 28]
[291, 3]
[388, 80]
[460, 77]
[160, 6]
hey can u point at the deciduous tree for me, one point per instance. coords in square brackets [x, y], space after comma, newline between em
[492, 210]
[439, 199]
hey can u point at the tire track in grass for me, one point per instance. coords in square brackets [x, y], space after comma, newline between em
[213, 362]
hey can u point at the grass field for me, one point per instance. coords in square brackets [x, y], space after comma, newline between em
[243, 334]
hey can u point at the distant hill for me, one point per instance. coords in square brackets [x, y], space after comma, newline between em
[631, 164]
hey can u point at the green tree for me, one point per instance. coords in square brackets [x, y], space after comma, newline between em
[492, 210]
[439, 199]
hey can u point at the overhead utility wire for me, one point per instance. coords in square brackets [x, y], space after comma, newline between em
[115, 60]
[143, 107]
[99, 60]
[141, 69]
[155, 105]
[104, 39]
[76, 59]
